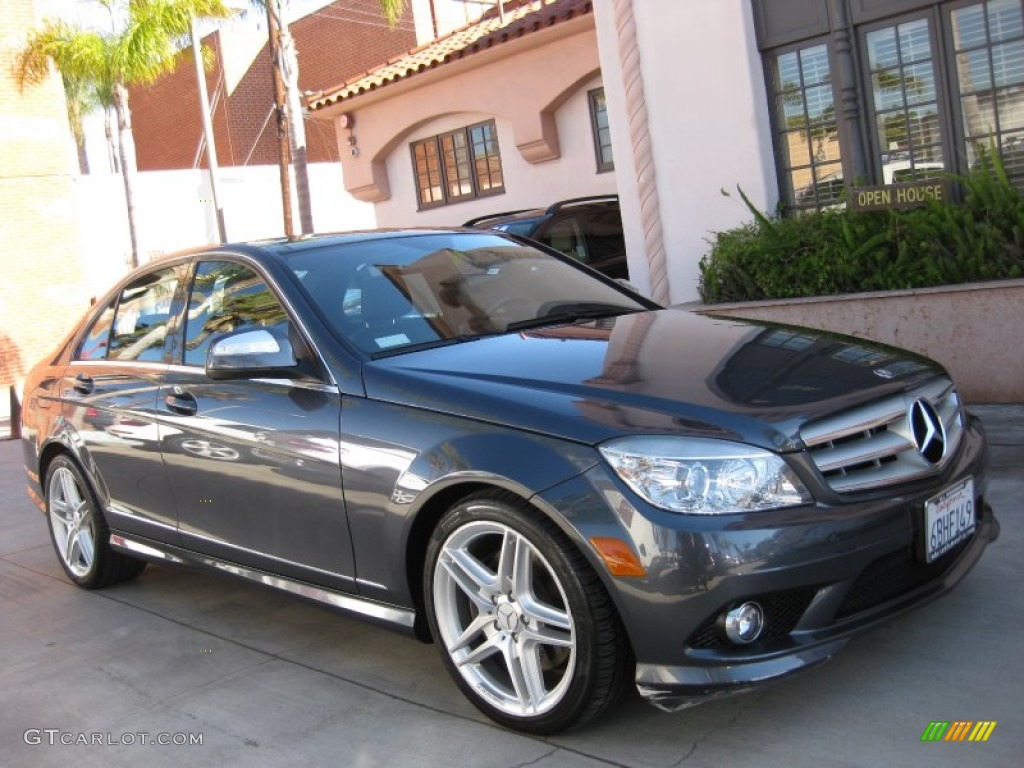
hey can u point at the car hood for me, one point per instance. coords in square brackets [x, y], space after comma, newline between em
[666, 371]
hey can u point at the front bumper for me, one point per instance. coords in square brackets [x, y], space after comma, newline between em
[823, 574]
[819, 633]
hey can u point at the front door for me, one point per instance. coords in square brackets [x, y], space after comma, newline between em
[253, 464]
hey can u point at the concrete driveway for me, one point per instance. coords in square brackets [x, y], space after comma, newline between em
[266, 680]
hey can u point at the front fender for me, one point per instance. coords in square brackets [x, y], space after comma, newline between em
[410, 467]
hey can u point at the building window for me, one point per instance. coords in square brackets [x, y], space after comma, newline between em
[908, 132]
[988, 42]
[599, 126]
[939, 88]
[808, 137]
[458, 165]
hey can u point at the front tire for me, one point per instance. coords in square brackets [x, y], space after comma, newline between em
[523, 624]
[79, 533]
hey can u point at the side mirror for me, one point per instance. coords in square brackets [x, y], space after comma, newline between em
[250, 354]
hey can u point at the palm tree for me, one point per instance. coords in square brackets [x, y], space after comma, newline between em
[142, 46]
[288, 65]
[82, 98]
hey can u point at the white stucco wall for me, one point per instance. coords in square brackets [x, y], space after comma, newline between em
[527, 185]
[172, 213]
[709, 125]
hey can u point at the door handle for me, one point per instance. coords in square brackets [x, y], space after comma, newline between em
[83, 384]
[181, 402]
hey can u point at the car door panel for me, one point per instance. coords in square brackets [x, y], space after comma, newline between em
[109, 392]
[253, 463]
[255, 473]
[111, 409]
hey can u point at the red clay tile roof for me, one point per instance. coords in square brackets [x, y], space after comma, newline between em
[527, 17]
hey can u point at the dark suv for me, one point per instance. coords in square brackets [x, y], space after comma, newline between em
[587, 228]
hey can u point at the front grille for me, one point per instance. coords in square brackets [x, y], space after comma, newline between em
[872, 446]
[893, 575]
[782, 610]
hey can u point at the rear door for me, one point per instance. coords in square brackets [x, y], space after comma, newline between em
[109, 392]
[253, 463]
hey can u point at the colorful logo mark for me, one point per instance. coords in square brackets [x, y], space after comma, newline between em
[958, 730]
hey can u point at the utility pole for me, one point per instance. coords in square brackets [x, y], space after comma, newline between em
[211, 146]
[283, 143]
[287, 60]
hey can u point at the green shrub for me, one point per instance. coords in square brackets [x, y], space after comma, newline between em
[846, 251]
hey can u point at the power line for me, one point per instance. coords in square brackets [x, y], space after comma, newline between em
[401, 26]
[376, 15]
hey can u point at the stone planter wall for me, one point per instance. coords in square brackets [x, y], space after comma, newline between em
[973, 330]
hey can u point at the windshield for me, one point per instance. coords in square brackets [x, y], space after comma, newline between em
[396, 294]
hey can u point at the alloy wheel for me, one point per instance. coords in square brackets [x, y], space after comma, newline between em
[504, 619]
[72, 522]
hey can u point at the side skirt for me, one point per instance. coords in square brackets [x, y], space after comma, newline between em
[391, 616]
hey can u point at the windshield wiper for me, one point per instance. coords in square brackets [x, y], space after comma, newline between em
[432, 344]
[573, 315]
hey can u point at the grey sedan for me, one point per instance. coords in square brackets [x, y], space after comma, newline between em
[566, 487]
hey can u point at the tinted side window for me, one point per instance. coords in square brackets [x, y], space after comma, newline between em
[226, 296]
[604, 234]
[565, 236]
[94, 345]
[140, 323]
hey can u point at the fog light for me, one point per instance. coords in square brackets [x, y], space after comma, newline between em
[744, 623]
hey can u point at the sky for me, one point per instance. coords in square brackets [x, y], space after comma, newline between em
[91, 13]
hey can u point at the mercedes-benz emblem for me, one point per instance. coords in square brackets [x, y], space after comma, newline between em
[507, 617]
[927, 429]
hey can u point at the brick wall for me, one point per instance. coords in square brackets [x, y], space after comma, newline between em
[334, 44]
[40, 295]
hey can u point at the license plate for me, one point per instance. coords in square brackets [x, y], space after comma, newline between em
[949, 519]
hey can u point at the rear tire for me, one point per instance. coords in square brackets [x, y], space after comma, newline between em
[79, 533]
[523, 624]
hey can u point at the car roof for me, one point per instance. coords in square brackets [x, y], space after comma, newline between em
[285, 245]
[495, 219]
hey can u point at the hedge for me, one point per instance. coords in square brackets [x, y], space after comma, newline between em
[845, 251]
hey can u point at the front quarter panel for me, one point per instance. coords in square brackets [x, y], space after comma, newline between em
[396, 460]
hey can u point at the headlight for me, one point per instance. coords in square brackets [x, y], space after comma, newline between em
[704, 477]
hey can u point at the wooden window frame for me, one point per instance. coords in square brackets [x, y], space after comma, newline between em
[446, 174]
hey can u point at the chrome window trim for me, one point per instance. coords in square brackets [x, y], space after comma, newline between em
[142, 364]
[313, 386]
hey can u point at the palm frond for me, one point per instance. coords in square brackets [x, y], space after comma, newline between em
[79, 53]
[392, 10]
[155, 32]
